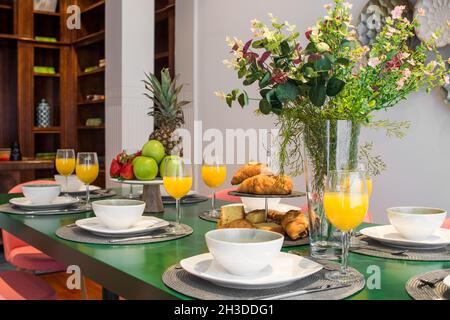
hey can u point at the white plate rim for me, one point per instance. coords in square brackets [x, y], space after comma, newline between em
[16, 202]
[107, 231]
[402, 241]
[226, 282]
[446, 281]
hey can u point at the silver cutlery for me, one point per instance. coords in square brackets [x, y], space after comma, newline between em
[327, 268]
[300, 292]
[394, 253]
[53, 211]
[158, 236]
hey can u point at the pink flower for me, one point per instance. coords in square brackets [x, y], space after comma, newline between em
[397, 12]
[421, 12]
[373, 62]
[308, 33]
[347, 5]
[400, 83]
[406, 73]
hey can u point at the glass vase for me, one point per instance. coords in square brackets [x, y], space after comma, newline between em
[328, 145]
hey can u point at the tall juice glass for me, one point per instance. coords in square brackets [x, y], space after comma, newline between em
[87, 170]
[346, 202]
[213, 174]
[177, 180]
[65, 164]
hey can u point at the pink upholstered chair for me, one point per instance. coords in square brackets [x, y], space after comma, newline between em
[223, 195]
[22, 255]
[18, 285]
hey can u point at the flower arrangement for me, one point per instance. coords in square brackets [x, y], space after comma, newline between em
[333, 77]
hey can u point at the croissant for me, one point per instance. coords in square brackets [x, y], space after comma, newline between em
[247, 171]
[267, 185]
[295, 224]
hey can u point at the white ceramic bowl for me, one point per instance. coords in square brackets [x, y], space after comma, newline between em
[243, 252]
[73, 183]
[416, 223]
[118, 214]
[259, 203]
[41, 194]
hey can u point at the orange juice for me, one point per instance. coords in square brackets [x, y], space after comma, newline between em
[369, 186]
[87, 173]
[214, 176]
[177, 187]
[345, 211]
[65, 166]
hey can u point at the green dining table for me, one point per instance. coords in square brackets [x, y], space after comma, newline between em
[135, 271]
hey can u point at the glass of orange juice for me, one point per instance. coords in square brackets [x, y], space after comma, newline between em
[65, 164]
[177, 180]
[87, 169]
[214, 174]
[346, 202]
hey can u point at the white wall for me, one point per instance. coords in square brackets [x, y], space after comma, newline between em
[418, 171]
[128, 57]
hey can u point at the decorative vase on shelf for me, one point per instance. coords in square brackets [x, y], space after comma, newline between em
[16, 155]
[43, 115]
[328, 145]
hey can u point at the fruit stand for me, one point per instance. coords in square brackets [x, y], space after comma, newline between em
[151, 195]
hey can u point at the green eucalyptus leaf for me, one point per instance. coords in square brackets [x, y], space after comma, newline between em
[258, 44]
[242, 72]
[271, 97]
[229, 100]
[265, 80]
[334, 86]
[287, 91]
[310, 48]
[317, 95]
[250, 79]
[285, 48]
[323, 64]
[243, 99]
[264, 107]
[264, 92]
[234, 93]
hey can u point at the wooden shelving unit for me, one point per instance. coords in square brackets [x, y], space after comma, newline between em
[164, 35]
[89, 49]
[66, 90]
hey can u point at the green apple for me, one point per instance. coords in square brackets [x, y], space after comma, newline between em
[173, 163]
[145, 168]
[154, 149]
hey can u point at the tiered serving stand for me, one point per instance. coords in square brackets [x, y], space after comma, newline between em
[151, 195]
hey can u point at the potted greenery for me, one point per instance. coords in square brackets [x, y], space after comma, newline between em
[322, 94]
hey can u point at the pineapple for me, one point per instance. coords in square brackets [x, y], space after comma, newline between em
[166, 111]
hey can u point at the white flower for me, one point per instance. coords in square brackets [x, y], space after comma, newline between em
[412, 62]
[400, 83]
[373, 62]
[327, 6]
[348, 5]
[447, 79]
[221, 95]
[397, 12]
[421, 12]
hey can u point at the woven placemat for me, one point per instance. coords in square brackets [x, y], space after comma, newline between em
[183, 282]
[420, 291]
[376, 249]
[8, 208]
[77, 234]
[95, 194]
